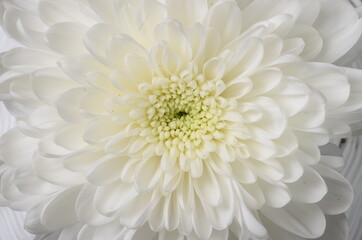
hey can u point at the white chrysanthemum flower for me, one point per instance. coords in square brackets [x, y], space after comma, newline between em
[173, 119]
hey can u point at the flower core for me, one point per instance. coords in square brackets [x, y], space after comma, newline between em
[181, 113]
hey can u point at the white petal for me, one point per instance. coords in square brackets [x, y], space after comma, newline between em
[208, 188]
[140, 233]
[29, 59]
[24, 27]
[196, 167]
[340, 193]
[148, 173]
[260, 10]
[187, 11]
[82, 161]
[78, 67]
[228, 27]
[331, 82]
[68, 105]
[171, 213]
[171, 181]
[107, 171]
[96, 39]
[51, 170]
[123, 82]
[186, 192]
[237, 88]
[242, 173]
[134, 214]
[51, 12]
[276, 195]
[111, 197]
[309, 12]
[252, 195]
[60, 211]
[86, 232]
[265, 80]
[310, 188]
[49, 83]
[293, 169]
[21, 89]
[92, 103]
[313, 42]
[173, 33]
[118, 48]
[272, 123]
[108, 231]
[48, 148]
[305, 220]
[66, 38]
[350, 110]
[286, 143]
[214, 69]
[100, 129]
[30, 184]
[276, 232]
[247, 59]
[156, 217]
[151, 13]
[164, 235]
[307, 152]
[212, 44]
[291, 95]
[104, 9]
[337, 228]
[32, 219]
[222, 215]
[252, 222]
[201, 223]
[260, 150]
[313, 114]
[138, 68]
[273, 47]
[85, 208]
[11, 142]
[340, 27]
[70, 137]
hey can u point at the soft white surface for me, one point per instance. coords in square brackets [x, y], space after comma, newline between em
[11, 222]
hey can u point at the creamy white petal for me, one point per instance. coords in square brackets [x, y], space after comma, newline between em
[309, 188]
[300, 219]
[188, 11]
[66, 38]
[229, 28]
[10, 143]
[340, 193]
[60, 212]
[340, 30]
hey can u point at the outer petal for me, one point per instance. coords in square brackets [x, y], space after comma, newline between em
[304, 220]
[340, 27]
[187, 11]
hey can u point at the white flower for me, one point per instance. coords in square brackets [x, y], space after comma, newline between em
[176, 119]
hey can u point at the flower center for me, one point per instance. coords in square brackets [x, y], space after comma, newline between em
[183, 113]
[180, 114]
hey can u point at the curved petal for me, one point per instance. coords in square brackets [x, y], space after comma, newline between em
[187, 11]
[340, 27]
[304, 220]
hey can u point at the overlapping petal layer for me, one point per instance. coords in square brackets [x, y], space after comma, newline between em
[178, 119]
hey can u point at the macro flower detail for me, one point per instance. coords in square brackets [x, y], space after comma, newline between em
[172, 119]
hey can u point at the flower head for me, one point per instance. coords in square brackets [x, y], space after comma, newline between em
[172, 119]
